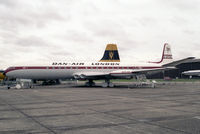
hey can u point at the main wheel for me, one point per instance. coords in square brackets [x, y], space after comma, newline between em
[111, 84]
[105, 84]
[89, 84]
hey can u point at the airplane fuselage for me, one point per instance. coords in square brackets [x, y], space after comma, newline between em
[68, 70]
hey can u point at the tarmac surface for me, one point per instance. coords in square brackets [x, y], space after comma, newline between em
[167, 109]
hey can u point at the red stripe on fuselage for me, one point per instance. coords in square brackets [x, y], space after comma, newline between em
[78, 67]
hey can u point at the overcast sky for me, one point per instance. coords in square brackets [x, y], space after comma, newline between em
[43, 31]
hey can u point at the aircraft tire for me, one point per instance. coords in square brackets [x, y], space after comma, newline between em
[89, 84]
[105, 84]
[110, 85]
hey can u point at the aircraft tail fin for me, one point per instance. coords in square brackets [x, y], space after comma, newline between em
[111, 54]
[166, 55]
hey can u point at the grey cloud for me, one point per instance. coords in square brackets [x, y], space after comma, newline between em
[90, 8]
[147, 21]
[24, 42]
[179, 21]
[42, 19]
[195, 46]
[61, 53]
[31, 41]
[8, 39]
[126, 44]
[183, 54]
[26, 15]
[114, 31]
[11, 20]
[77, 36]
[8, 3]
[7, 53]
[106, 28]
[186, 4]
[22, 46]
[36, 28]
[189, 32]
[183, 5]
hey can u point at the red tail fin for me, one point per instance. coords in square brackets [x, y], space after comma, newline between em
[166, 55]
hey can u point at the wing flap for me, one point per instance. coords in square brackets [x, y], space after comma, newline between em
[118, 73]
[178, 62]
[90, 75]
[155, 70]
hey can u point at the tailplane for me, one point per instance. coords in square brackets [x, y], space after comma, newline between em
[166, 55]
[111, 54]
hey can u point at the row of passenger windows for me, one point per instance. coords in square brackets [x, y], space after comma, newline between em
[92, 67]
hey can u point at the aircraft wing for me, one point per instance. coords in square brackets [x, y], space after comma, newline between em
[148, 71]
[118, 73]
[151, 71]
[90, 75]
[178, 62]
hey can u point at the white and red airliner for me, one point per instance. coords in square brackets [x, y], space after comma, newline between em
[107, 68]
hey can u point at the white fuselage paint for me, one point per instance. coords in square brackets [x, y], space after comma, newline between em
[64, 72]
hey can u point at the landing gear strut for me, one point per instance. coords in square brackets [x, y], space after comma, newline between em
[107, 83]
[90, 83]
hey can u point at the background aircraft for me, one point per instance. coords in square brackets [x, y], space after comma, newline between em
[192, 72]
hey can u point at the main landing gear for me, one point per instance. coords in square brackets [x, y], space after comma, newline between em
[90, 83]
[107, 83]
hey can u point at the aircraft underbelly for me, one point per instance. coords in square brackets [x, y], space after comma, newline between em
[47, 73]
[40, 74]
